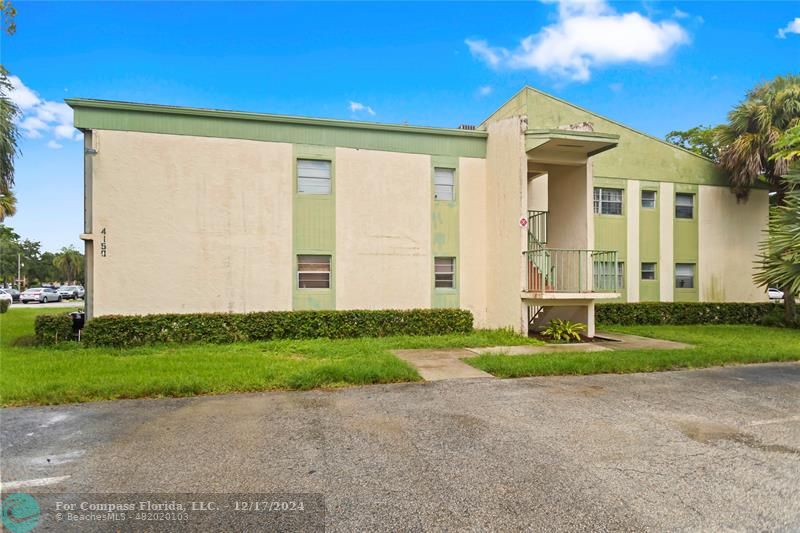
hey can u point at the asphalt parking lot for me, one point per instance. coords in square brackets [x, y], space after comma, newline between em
[715, 449]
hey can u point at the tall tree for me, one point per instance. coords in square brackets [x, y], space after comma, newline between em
[754, 126]
[702, 140]
[780, 251]
[9, 136]
[69, 263]
[8, 204]
[749, 146]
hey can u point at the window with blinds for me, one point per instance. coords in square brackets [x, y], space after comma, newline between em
[444, 272]
[444, 184]
[684, 276]
[607, 201]
[313, 271]
[313, 176]
[684, 205]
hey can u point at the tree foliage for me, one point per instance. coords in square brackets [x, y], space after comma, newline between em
[39, 267]
[748, 141]
[779, 259]
[702, 140]
[69, 264]
[9, 136]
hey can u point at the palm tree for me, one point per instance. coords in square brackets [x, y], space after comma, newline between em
[8, 204]
[69, 263]
[9, 134]
[754, 126]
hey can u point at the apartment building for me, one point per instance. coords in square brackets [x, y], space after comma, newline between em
[540, 211]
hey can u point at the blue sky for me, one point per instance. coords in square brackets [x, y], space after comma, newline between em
[656, 66]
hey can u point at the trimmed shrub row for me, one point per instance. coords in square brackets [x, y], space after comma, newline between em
[221, 328]
[678, 313]
[4, 305]
[50, 329]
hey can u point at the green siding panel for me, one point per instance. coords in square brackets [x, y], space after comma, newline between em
[649, 244]
[686, 244]
[122, 116]
[314, 230]
[445, 233]
[610, 231]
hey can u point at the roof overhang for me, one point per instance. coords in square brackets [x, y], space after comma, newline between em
[567, 147]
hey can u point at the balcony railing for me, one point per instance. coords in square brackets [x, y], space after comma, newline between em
[572, 271]
[537, 228]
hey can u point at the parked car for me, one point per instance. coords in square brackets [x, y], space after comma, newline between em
[42, 295]
[81, 291]
[68, 292]
[14, 293]
[4, 295]
[774, 294]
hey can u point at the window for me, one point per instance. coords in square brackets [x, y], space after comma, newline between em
[444, 184]
[649, 199]
[648, 271]
[684, 276]
[604, 275]
[313, 272]
[684, 205]
[313, 176]
[444, 270]
[607, 201]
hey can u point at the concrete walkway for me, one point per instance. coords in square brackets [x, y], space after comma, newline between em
[436, 365]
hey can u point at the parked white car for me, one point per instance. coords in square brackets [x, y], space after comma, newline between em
[4, 295]
[42, 295]
[774, 294]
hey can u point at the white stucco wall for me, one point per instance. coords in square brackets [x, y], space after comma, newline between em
[472, 237]
[383, 230]
[193, 224]
[729, 233]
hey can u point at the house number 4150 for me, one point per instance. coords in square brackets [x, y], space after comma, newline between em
[103, 244]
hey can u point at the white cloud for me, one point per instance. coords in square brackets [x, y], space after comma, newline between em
[54, 145]
[587, 34]
[678, 14]
[485, 90]
[792, 27]
[482, 50]
[41, 117]
[357, 107]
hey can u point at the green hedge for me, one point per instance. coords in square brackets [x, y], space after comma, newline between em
[122, 331]
[50, 329]
[678, 313]
[4, 305]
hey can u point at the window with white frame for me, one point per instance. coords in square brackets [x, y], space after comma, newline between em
[648, 199]
[313, 176]
[684, 276]
[684, 205]
[444, 184]
[444, 272]
[313, 272]
[607, 201]
[648, 271]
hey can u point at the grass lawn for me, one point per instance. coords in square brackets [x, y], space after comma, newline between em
[712, 346]
[69, 373]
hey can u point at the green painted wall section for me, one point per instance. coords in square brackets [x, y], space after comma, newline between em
[314, 229]
[685, 246]
[649, 243]
[610, 231]
[445, 233]
[123, 116]
[637, 156]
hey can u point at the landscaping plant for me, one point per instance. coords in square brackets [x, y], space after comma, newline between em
[564, 330]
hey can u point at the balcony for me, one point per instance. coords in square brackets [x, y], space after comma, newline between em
[559, 273]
